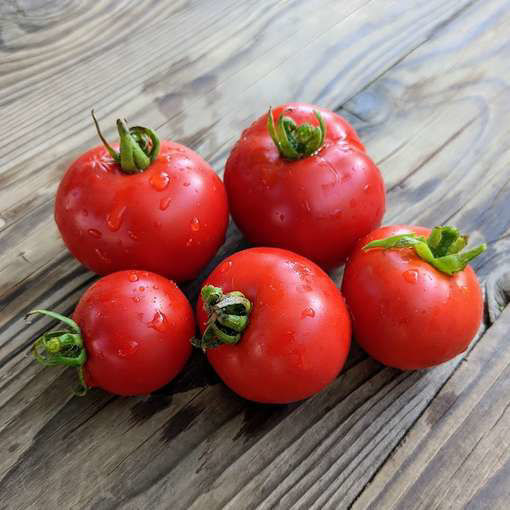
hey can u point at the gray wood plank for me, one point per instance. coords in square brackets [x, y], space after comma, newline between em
[458, 454]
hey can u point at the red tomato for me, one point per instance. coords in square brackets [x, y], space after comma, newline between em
[170, 218]
[298, 331]
[406, 313]
[135, 327]
[318, 205]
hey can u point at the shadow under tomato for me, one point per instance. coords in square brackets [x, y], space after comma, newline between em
[260, 418]
[198, 374]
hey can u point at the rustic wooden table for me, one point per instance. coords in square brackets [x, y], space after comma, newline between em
[426, 83]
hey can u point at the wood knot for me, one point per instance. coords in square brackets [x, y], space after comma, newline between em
[498, 291]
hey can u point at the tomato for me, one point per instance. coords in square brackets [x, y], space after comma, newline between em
[414, 302]
[316, 204]
[275, 327]
[129, 334]
[169, 217]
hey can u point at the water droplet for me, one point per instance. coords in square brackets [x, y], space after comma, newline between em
[346, 176]
[128, 350]
[189, 242]
[94, 233]
[282, 217]
[307, 207]
[132, 235]
[187, 183]
[141, 288]
[102, 255]
[366, 187]
[158, 322]
[195, 225]
[164, 203]
[308, 312]
[159, 181]
[137, 299]
[410, 276]
[133, 277]
[155, 287]
[114, 219]
[226, 266]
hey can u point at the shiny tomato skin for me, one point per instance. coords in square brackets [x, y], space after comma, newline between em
[299, 330]
[170, 219]
[317, 206]
[407, 314]
[136, 327]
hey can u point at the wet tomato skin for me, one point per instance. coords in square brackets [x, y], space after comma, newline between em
[407, 314]
[170, 219]
[317, 206]
[299, 331]
[136, 327]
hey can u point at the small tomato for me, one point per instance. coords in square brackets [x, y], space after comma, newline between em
[153, 205]
[305, 184]
[413, 299]
[275, 327]
[129, 334]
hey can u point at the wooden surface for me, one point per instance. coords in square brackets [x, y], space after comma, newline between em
[426, 83]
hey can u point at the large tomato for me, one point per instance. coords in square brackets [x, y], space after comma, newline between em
[306, 184]
[413, 299]
[129, 335]
[164, 211]
[275, 327]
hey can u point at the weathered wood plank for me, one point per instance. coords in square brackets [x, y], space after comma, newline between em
[200, 446]
[458, 454]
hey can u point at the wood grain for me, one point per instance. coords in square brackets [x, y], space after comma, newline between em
[458, 453]
[426, 84]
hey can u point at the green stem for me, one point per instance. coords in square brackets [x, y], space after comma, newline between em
[442, 249]
[228, 317]
[293, 141]
[139, 146]
[64, 347]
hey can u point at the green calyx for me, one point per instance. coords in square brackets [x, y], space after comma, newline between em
[228, 317]
[64, 347]
[293, 141]
[139, 146]
[442, 249]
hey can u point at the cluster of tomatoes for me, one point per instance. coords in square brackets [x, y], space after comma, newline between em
[299, 185]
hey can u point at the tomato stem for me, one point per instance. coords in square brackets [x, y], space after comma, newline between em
[64, 347]
[228, 317]
[442, 249]
[293, 141]
[139, 146]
